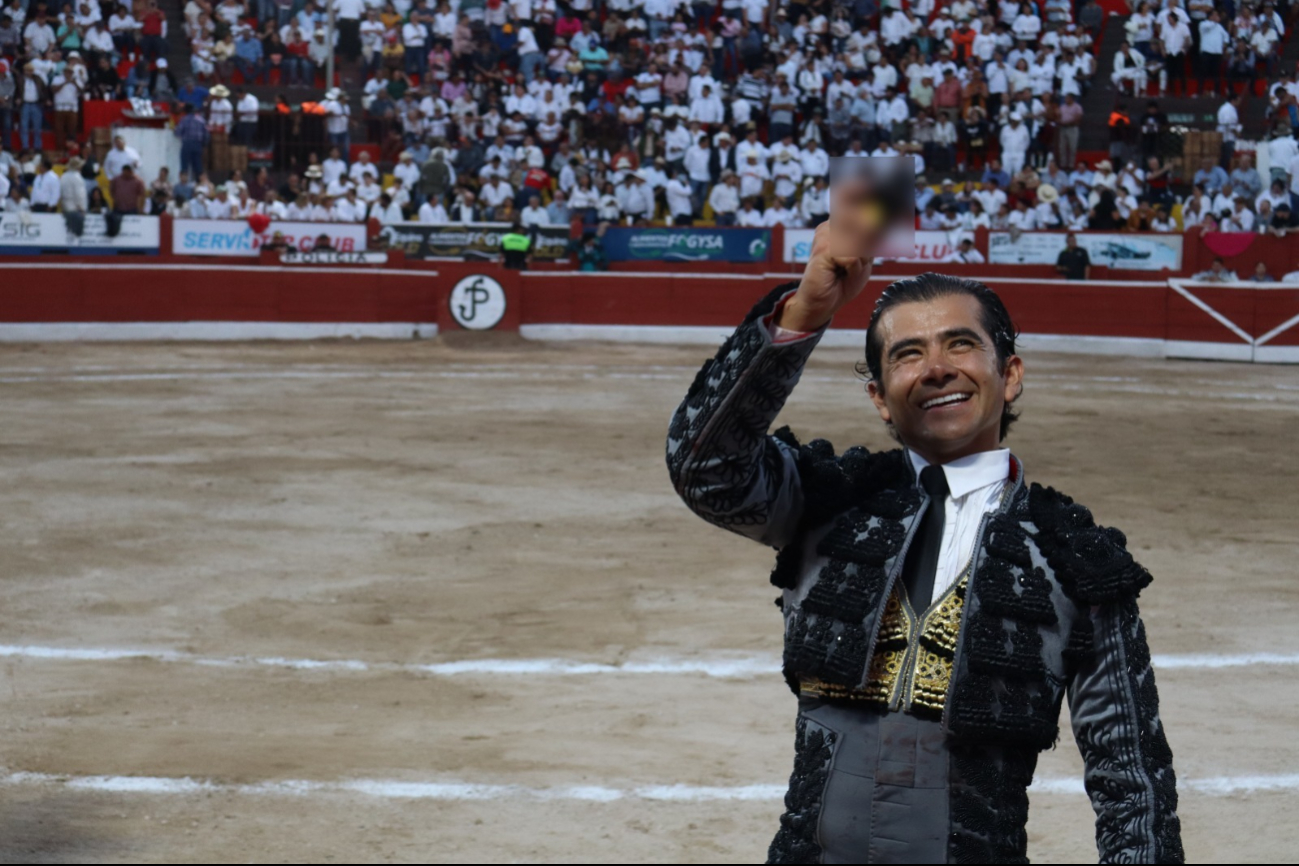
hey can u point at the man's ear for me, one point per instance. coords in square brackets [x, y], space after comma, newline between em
[876, 393]
[1014, 374]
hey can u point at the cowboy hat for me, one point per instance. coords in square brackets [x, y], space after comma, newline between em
[220, 91]
[1047, 194]
[1104, 165]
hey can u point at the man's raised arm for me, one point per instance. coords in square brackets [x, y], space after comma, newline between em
[722, 462]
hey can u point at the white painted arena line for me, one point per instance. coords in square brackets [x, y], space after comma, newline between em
[728, 666]
[395, 789]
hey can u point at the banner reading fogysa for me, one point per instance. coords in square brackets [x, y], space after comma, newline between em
[687, 244]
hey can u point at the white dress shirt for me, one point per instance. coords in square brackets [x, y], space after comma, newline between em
[976, 483]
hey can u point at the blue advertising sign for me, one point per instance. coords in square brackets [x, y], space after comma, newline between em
[687, 245]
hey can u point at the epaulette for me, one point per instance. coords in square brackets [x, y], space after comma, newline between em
[1091, 562]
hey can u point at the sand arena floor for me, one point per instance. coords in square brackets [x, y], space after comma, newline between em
[257, 600]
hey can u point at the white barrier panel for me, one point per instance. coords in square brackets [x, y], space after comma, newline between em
[1134, 252]
[930, 246]
[237, 238]
[49, 231]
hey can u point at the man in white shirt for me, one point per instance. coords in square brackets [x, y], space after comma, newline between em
[363, 167]
[534, 214]
[1229, 126]
[119, 156]
[495, 192]
[247, 109]
[707, 109]
[348, 209]
[965, 253]
[432, 212]
[338, 115]
[406, 170]
[333, 167]
[943, 375]
[725, 199]
[781, 214]
[635, 197]
[386, 211]
[680, 198]
[1214, 42]
[1015, 140]
[46, 190]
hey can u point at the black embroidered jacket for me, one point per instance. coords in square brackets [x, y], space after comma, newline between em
[1049, 611]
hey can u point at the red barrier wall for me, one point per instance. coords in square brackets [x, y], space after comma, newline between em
[1240, 322]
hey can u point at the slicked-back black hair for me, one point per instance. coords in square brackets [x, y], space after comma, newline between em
[929, 287]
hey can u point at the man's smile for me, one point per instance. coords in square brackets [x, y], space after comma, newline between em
[946, 400]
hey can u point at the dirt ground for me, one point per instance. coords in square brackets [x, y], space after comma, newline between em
[418, 503]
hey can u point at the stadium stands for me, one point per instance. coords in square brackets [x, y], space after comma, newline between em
[1051, 115]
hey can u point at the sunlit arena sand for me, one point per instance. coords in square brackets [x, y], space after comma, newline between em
[412, 601]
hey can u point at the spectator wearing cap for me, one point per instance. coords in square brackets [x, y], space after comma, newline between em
[815, 204]
[73, 198]
[1015, 140]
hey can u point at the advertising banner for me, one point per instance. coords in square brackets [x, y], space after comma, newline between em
[469, 241]
[30, 231]
[930, 246]
[687, 245]
[237, 238]
[1136, 252]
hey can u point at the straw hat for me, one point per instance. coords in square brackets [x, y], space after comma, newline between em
[1104, 165]
[1047, 194]
[220, 91]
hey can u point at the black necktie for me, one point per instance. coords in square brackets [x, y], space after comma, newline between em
[922, 559]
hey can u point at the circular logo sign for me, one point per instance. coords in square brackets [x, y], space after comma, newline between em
[478, 303]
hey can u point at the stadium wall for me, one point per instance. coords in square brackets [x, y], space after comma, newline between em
[168, 297]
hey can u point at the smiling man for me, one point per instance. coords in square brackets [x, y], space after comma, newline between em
[938, 609]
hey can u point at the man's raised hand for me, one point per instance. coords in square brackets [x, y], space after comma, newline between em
[829, 283]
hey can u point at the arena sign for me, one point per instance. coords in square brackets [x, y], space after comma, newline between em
[687, 244]
[331, 257]
[931, 246]
[28, 232]
[477, 303]
[469, 241]
[237, 238]
[1134, 252]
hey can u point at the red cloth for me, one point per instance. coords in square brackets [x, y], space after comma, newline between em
[1228, 244]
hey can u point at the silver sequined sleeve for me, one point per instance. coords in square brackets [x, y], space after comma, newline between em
[722, 462]
[1129, 765]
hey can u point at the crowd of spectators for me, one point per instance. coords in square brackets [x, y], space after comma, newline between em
[636, 111]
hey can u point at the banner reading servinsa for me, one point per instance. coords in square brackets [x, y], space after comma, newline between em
[687, 244]
[470, 241]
